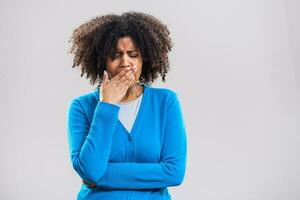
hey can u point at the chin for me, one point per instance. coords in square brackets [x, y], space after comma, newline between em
[132, 84]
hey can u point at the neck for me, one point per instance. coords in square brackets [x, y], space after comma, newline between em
[132, 93]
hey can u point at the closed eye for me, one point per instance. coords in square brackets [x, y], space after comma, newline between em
[130, 53]
[133, 55]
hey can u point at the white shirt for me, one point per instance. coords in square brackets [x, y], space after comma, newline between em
[128, 112]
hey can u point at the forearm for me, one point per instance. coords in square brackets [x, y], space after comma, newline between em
[90, 145]
[143, 175]
[168, 172]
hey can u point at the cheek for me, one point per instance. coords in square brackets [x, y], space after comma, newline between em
[112, 69]
[140, 71]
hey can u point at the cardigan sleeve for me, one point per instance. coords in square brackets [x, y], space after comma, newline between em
[169, 171]
[90, 142]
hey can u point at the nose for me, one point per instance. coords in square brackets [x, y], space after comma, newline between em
[125, 61]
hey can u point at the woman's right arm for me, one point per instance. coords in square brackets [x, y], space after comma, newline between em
[90, 144]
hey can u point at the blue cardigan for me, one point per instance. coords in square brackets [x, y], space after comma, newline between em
[136, 165]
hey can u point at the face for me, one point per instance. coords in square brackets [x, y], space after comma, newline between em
[126, 54]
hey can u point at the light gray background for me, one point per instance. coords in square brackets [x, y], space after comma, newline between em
[235, 65]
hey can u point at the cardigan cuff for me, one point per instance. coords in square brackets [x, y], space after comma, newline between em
[107, 109]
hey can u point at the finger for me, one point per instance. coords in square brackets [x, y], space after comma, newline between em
[121, 73]
[128, 76]
[92, 185]
[126, 83]
[105, 77]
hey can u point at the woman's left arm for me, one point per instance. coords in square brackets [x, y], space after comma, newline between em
[170, 171]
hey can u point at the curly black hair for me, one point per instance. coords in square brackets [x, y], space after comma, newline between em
[94, 41]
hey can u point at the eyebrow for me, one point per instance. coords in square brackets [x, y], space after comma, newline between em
[132, 50]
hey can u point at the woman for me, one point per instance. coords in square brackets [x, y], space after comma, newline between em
[127, 139]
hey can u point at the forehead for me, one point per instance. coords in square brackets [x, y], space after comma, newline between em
[125, 43]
